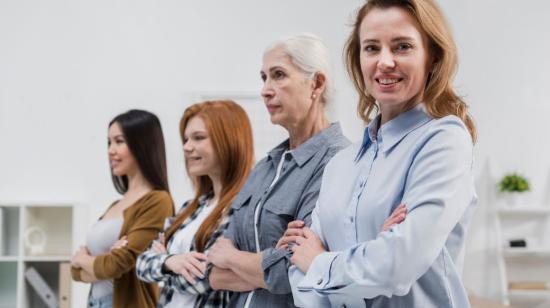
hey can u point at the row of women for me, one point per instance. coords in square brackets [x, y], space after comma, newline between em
[318, 222]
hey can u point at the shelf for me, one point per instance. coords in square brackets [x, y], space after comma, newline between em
[47, 258]
[55, 222]
[8, 259]
[9, 231]
[527, 252]
[528, 210]
[8, 279]
[518, 295]
[38, 235]
[49, 272]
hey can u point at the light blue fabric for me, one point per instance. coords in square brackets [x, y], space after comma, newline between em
[422, 162]
[102, 302]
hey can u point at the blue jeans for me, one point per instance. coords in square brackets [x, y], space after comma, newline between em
[102, 302]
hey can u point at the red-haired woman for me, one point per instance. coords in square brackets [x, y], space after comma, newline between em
[217, 143]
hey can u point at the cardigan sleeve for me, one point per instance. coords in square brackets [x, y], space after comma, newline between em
[144, 221]
[76, 273]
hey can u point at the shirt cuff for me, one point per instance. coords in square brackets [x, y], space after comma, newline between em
[318, 275]
[271, 256]
[160, 271]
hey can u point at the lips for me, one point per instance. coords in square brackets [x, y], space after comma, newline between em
[272, 107]
[192, 160]
[115, 162]
[388, 81]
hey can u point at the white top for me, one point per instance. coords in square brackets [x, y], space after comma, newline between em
[181, 244]
[257, 216]
[103, 234]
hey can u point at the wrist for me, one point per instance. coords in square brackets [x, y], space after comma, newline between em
[166, 265]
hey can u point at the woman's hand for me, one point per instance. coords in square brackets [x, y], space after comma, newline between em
[159, 246]
[221, 252]
[122, 242]
[78, 256]
[306, 249]
[293, 231]
[190, 265]
[395, 218]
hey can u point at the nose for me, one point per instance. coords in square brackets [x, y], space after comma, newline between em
[386, 60]
[111, 149]
[267, 89]
[188, 147]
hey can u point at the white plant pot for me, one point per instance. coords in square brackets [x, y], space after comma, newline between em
[513, 198]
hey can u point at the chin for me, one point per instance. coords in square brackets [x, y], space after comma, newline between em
[390, 100]
[117, 172]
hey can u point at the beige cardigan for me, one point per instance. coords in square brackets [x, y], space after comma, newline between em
[142, 222]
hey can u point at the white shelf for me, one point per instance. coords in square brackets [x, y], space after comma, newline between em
[47, 258]
[528, 210]
[519, 295]
[527, 252]
[57, 222]
[8, 259]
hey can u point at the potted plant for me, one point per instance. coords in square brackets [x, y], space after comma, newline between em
[512, 186]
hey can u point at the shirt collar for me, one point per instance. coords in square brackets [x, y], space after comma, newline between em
[306, 150]
[393, 131]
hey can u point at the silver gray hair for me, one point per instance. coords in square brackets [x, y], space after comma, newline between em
[311, 56]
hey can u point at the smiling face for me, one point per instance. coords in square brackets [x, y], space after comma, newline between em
[120, 158]
[287, 93]
[394, 59]
[200, 157]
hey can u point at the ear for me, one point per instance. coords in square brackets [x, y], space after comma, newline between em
[319, 84]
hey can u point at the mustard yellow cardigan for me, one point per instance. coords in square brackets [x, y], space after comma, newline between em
[142, 223]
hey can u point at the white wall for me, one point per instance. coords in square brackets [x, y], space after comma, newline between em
[67, 67]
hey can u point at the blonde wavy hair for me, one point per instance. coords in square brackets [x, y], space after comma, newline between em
[439, 96]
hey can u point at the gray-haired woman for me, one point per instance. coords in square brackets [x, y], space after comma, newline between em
[284, 186]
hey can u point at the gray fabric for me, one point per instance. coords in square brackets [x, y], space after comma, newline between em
[292, 197]
[102, 236]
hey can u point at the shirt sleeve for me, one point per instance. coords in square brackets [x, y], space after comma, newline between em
[149, 221]
[275, 262]
[76, 273]
[202, 286]
[295, 275]
[439, 189]
[149, 266]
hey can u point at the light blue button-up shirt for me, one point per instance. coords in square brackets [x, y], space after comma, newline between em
[423, 162]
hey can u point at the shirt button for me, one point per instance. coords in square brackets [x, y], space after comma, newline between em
[351, 219]
[343, 306]
[320, 281]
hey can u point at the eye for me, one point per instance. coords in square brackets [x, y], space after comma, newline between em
[263, 76]
[371, 48]
[278, 74]
[404, 47]
[199, 137]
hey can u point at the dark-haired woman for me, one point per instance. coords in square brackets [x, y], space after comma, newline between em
[217, 144]
[138, 167]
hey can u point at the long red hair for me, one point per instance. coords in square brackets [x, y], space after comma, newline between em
[230, 131]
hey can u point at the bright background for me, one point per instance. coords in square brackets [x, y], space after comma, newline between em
[67, 67]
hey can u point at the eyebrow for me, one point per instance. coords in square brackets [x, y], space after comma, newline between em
[395, 39]
[271, 69]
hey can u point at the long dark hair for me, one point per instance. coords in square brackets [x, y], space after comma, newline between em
[143, 134]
